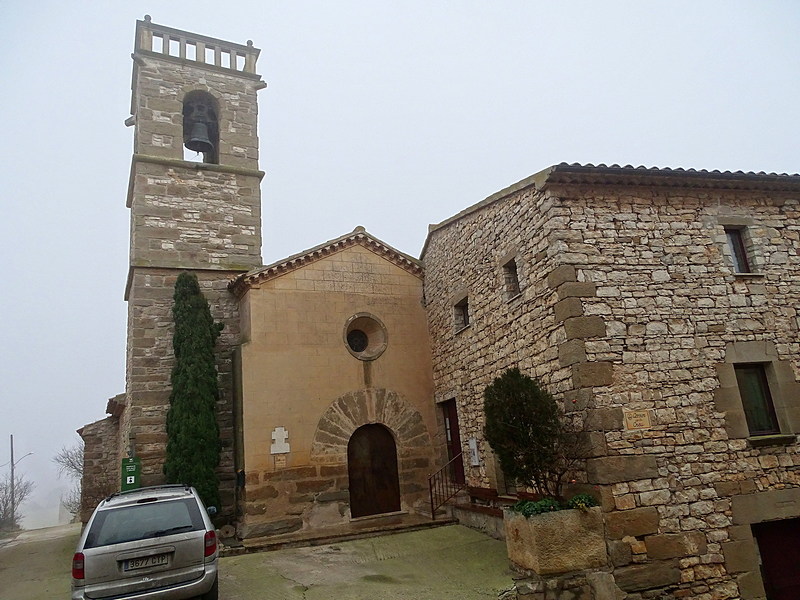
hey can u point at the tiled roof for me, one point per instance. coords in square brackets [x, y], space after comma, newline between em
[679, 177]
[359, 236]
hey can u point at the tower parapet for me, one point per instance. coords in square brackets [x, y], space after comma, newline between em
[185, 46]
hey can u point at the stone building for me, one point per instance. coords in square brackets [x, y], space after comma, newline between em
[659, 306]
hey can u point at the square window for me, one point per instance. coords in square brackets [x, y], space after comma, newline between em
[756, 399]
[511, 279]
[461, 313]
[735, 236]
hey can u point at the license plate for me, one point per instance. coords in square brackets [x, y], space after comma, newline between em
[145, 561]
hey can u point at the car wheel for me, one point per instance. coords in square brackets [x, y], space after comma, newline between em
[213, 593]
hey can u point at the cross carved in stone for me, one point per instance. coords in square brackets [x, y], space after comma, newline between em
[280, 445]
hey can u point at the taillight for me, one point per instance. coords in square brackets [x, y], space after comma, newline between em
[77, 566]
[210, 543]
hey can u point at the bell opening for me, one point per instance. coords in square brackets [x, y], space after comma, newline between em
[200, 126]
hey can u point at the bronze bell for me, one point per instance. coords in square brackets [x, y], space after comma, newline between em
[199, 123]
[198, 139]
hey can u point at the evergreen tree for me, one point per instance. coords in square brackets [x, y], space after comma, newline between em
[524, 427]
[193, 444]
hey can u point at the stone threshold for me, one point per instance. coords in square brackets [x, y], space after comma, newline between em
[378, 526]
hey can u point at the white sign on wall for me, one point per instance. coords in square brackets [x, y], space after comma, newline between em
[474, 459]
[279, 443]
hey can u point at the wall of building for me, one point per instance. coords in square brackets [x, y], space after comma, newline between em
[298, 374]
[639, 310]
[101, 465]
[675, 314]
[466, 258]
[150, 362]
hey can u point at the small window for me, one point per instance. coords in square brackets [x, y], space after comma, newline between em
[735, 236]
[511, 279]
[461, 313]
[365, 336]
[756, 399]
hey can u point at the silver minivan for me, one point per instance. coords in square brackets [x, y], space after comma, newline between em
[154, 543]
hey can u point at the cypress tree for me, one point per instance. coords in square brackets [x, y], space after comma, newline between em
[193, 444]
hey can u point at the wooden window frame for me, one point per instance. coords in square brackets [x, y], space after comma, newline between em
[738, 248]
[761, 402]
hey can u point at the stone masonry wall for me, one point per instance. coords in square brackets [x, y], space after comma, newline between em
[160, 86]
[637, 301]
[101, 466]
[466, 258]
[150, 362]
[185, 217]
[673, 310]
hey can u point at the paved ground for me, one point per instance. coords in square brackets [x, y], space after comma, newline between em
[37, 563]
[433, 564]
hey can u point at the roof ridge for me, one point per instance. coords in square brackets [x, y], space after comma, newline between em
[359, 236]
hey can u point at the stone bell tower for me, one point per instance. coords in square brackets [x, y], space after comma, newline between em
[195, 206]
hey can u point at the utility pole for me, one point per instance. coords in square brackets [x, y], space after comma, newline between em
[14, 482]
[13, 498]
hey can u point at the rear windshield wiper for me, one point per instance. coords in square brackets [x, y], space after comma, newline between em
[171, 530]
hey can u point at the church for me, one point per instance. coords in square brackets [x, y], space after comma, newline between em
[659, 306]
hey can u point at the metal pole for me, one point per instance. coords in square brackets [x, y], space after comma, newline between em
[13, 508]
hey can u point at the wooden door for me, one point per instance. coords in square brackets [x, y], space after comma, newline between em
[779, 546]
[453, 440]
[372, 467]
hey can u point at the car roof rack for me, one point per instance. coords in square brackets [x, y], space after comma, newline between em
[164, 486]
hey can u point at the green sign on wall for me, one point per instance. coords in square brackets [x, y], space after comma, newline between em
[131, 474]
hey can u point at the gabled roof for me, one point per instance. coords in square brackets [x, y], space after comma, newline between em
[358, 237]
[589, 174]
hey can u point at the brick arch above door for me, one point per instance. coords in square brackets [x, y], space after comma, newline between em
[374, 405]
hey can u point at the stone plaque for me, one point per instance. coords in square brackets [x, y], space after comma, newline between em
[637, 419]
[279, 443]
[280, 461]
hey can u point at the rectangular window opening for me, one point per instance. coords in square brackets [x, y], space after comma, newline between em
[158, 43]
[736, 243]
[226, 59]
[461, 313]
[209, 55]
[174, 47]
[191, 51]
[511, 279]
[759, 410]
[240, 62]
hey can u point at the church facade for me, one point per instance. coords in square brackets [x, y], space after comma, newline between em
[659, 306]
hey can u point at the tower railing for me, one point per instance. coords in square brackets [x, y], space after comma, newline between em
[201, 49]
[443, 485]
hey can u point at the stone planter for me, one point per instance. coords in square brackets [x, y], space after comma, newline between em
[556, 542]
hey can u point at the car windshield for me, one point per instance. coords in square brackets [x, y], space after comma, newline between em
[143, 521]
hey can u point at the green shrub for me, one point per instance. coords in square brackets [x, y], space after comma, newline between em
[525, 429]
[528, 508]
[582, 502]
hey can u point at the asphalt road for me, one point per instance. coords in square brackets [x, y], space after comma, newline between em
[433, 564]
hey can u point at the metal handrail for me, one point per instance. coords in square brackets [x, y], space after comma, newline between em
[442, 485]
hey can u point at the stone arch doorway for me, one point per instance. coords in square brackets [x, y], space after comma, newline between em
[372, 471]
